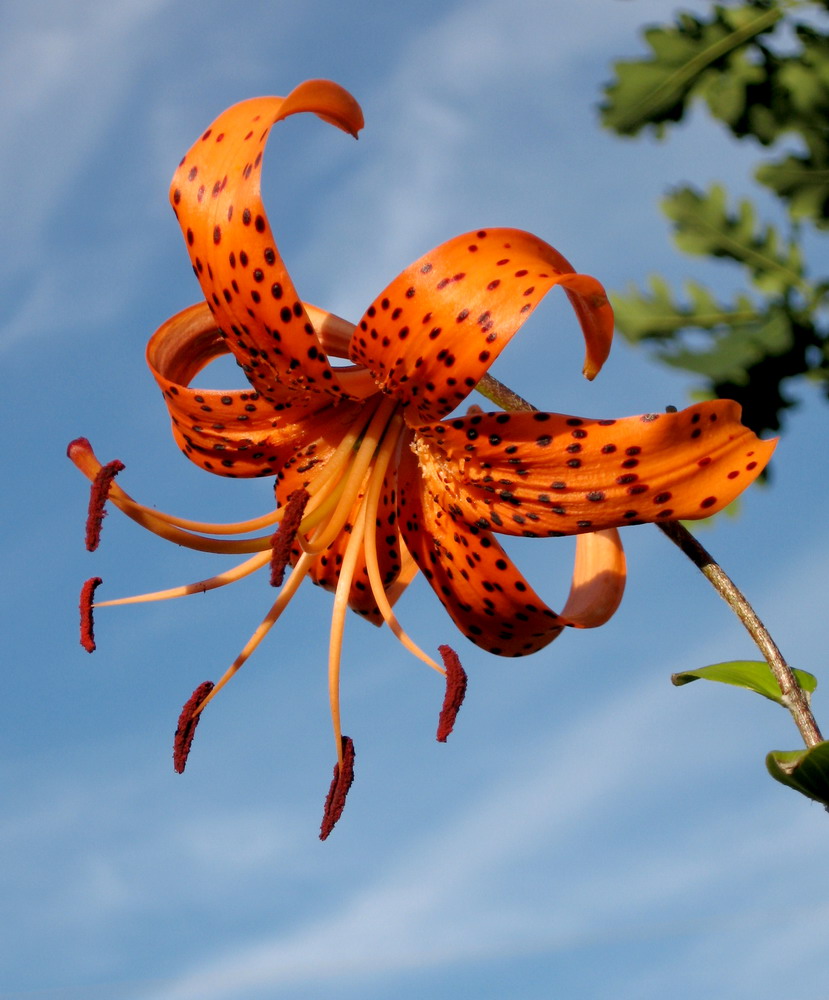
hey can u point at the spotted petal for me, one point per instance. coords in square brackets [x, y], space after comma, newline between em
[436, 329]
[241, 433]
[549, 474]
[216, 196]
[480, 587]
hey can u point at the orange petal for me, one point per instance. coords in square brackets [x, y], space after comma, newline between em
[537, 474]
[431, 335]
[239, 433]
[328, 101]
[477, 583]
[216, 196]
[599, 576]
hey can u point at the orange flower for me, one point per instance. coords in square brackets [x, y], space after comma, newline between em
[374, 478]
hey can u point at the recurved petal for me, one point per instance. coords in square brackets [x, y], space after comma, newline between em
[478, 585]
[216, 196]
[240, 433]
[599, 575]
[436, 329]
[549, 474]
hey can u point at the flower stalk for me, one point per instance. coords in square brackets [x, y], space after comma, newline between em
[794, 698]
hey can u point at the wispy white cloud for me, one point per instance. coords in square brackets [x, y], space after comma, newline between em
[76, 70]
[69, 76]
[397, 921]
[559, 811]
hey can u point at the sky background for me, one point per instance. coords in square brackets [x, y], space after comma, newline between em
[589, 831]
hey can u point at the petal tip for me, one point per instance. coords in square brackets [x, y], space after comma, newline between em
[328, 101]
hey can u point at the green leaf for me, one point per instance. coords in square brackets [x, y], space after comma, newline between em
[736, 349]
[756, 675]
[656, 315]
[806, 771]
[704, 225]
[745, 352]
[727, 93]
[804, 183]
[688, 58]
[737, 336]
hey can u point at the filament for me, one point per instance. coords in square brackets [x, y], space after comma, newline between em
[356, 475]
[288, 590]
[338, 614]
[202, 586]
[369, 514]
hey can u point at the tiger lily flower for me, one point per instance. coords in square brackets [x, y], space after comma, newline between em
[375, 477]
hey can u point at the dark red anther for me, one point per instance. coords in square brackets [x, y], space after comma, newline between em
[284, 536]
[187, 722]
[335, 801]
[87, 625]
[455, 692]
[98, 495]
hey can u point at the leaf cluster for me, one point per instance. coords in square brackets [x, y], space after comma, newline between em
[762, 71]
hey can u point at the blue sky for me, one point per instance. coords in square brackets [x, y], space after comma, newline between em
[588, 831]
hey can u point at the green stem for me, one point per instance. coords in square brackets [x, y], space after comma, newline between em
[794, 698]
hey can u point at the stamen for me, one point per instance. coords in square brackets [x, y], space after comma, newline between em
[285, 535]
[182, 531]
[80, 452]
[455, 692]
[98, 495]
[87, 625]
[343, 778]
[187, 722]
[298, 574]
[384, 597]
[356, 476]
[232, 575]
[339, 611]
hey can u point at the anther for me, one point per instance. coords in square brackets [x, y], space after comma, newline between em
[455, 692]
[186, 728]
[87, 625]
[285, 535]
[343, 777]
[98, 494]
